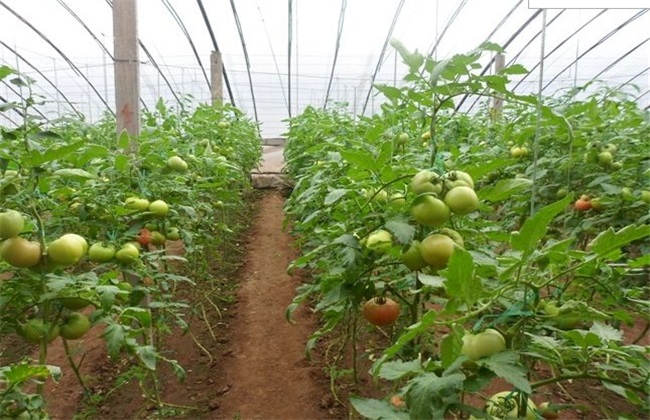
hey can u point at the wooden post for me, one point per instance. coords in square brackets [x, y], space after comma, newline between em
[127, 70]
[497, 102]
[216, 72]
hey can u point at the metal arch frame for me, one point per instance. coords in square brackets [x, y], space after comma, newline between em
[337, 46]
[180, 23]
[17, 54]
[447, 26]
[61, 53]
[598, 43]
[383, 51]
[19, 112]
[248, 63]
[92, 34]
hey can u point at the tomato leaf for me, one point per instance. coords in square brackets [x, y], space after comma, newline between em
[433, 281]
[461, 281]
[334, 196]
[535, 227]
[429, 395]
[73, 173]
[401, 229]
[450, 346]
[610, 241]
[606, 332]
[398, 369]
[362, 160]
[376, 409]
[148, 356]
[505, 189]
[506, 365]
[114, 336]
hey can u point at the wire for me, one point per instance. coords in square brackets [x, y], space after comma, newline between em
[538, 125]
[289, 40]
[61, 53]
[216, 48]
[180, 23]
[275, 61]
[19, 112]
[248, 63]
[336, 49]
[558, 46]
[444, 30]
[620, 58]
[383, 51]
[43, 76]
[603, 39]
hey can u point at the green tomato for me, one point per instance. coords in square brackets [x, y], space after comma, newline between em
[436, 249]
[35, 329]
[135, 203]
[483, 344]
[67, 250]
[11, 224]
[157, 238]
[645, 196]
[128, 254]
[173, 234]
[379, 241]
[426, 181]
[74, 303]
[99, 252]
[615, 166]
[455, 236]
[397, 201]
[411, 256]
[176, 163]
[20, 252]
[159, 208]
[461, 200]
[430, 211]
[460, 176]
[75, 326]
[605, 159]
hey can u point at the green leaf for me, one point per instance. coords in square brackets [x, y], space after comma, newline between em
[363, 160]
[481, 169]
[54, 153]
[6, 71]
[505, 189]
[606, 332]
[398, 369]
[450, 347]
[114, 336]
[390, 92]
[491, 46]
[142, 315]
[514, 69]
[430, 395]
[334, 196]
[535, 227]
[401, 229]
[411, 332]
[461, 282]
[148, 356]
[432, 281]
[609, 241]
[506, 365]
[376, 409]
[74, 173]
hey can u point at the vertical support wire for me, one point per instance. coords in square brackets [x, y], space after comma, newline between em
[447, 26]
[275, 60]
[248, 62]
[538, 127]
[383, 52]
[336, 50]
[289, 39]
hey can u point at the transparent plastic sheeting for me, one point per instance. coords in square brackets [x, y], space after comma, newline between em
[581, 44]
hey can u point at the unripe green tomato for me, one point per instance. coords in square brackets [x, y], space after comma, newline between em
[128, 254]
[436, 250]
[99, 252]
[75, 326]
[645, 196]
[615, 166]
[461, 200]
[504, 405]
[605, 159]
[411, 256]
[159, 208]
[135, 203]
[11, 224]
[430, 211]
[379, 241]
[483, 344]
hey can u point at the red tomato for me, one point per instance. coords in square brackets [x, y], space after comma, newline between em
[380, 311]
[582, 205]
[144, 237]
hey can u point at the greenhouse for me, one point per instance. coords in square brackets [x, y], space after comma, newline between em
[388, 209]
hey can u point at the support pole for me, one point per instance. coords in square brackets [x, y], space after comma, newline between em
[216, 73]
[127, 70]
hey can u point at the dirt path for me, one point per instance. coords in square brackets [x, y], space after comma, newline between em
[269, 376]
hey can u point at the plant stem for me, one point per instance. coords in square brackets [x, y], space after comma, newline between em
[73, 365]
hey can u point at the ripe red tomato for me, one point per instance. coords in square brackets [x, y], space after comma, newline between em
[380, 311]
[144, 237]
[582, 205]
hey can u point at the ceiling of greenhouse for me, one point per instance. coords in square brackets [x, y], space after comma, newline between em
[66, 47]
